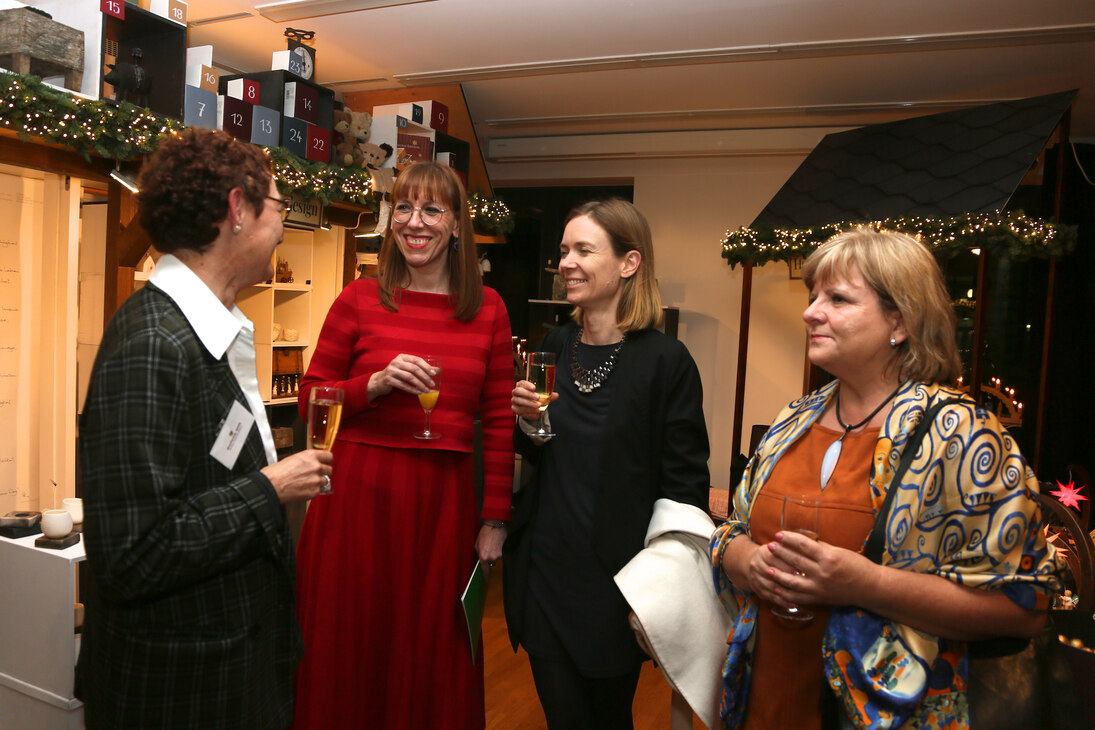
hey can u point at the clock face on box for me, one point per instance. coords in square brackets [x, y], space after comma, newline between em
[307, 60]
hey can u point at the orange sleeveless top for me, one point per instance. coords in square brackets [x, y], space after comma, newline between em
[788, 674]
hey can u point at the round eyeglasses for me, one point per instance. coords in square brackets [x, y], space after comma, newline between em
[283, 205]
[428, 214]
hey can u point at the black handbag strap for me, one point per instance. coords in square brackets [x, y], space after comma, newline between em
[877, 539]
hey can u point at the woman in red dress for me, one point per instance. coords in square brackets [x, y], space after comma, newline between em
[383, 559]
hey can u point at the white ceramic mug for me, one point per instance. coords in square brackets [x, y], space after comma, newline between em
[56, 523]
[75, 507]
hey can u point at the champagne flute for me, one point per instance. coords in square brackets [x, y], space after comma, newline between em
[428, 400]
[324, 417]
[801, 513]
[541, 373]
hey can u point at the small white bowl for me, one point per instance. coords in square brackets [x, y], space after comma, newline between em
[75, 507]
[56, 523]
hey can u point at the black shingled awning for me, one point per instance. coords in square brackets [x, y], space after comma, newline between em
[940, 165]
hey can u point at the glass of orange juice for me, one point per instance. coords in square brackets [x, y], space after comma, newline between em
[428, 400]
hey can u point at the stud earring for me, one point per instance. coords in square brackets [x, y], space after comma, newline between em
[236, 229]
[893, 342]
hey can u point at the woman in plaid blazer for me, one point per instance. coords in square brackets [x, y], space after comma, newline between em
[190, 620]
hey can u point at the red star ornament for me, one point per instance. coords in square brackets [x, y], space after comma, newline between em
[1068, 494]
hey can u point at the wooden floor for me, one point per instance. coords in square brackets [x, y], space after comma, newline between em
[511, 695]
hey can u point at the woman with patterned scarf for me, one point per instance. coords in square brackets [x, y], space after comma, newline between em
[964, 555]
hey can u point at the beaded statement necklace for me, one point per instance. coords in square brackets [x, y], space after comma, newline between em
[832, 454]
[588, 382]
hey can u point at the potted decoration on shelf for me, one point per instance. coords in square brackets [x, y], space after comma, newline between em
[491, 219]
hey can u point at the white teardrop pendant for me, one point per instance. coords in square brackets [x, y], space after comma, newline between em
[828, 463]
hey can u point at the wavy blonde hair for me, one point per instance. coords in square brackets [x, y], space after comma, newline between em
[908, 280]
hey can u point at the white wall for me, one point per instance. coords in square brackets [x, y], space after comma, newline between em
[690, 203]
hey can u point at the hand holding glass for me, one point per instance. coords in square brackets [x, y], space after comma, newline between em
[428, 400]
[800, 514]
[541, 373]
[324, 416]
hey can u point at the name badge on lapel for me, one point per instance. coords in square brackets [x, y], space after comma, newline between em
[234, 429]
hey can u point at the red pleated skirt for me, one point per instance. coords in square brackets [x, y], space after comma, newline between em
[381, 566]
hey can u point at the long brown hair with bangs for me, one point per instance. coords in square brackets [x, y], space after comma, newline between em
[439, 183]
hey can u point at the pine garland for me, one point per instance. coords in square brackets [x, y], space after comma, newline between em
[90, 127]
[1010, 234]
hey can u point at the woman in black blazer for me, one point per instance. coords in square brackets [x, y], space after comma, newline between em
[629, 429]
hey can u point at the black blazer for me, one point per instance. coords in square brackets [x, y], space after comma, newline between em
[656, 447]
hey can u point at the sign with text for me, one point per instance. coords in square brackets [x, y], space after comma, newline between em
[306, 213]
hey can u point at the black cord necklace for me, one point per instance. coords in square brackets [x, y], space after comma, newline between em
[832, 454]
[874, 413]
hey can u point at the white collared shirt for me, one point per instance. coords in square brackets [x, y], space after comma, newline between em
[219, 330]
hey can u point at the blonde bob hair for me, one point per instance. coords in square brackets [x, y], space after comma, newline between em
[440, 184]
[640, 305]
[907, 280]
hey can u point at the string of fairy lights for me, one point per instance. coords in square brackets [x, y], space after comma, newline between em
[1008, 233]
[490, 216]
[91, 127]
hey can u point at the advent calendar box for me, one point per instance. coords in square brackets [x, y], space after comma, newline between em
[319, 144]
[301, 101]
[265, 126]
[244, 89]
[235, 117]
[294, 135]
[199, 108]
[430, 114]
[202, 76]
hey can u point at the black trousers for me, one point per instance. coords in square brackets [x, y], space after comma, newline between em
[574, 702]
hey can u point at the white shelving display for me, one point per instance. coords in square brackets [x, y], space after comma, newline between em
[38, 643]
[298, 306]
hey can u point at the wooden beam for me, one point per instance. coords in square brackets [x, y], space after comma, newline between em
[743, 356]
[121, 245]
[1065, 131]
[37, 155]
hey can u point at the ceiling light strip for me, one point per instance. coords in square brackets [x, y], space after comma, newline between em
[892, 44]
[219, 19]
[685, 114]
[299, 9]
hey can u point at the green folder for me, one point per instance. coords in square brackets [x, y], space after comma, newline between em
[474, 601]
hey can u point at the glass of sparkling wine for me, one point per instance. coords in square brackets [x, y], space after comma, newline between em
[801, 513]
[541, 373]
[428, 400]
[324, 416]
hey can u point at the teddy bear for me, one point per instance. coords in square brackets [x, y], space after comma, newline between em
[383, 178]
[352, 130]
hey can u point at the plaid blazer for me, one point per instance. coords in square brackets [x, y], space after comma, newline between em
[190, 616]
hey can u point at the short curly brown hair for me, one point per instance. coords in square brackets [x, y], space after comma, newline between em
[185, 184]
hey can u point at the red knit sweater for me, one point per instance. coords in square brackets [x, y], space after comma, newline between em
[360, 337]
